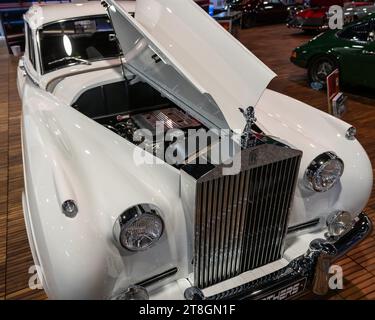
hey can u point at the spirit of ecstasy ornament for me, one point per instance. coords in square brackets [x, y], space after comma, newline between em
[248, 139]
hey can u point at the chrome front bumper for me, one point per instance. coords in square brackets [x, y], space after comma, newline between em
[325, 252]
[313, 268]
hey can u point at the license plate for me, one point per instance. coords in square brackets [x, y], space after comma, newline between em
[286, 292]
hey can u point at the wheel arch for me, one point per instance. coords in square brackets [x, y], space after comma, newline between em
[329, 54]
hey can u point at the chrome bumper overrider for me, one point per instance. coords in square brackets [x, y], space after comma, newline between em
[325, 252]
[312, 267]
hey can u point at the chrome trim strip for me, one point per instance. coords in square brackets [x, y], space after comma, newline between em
[28, 75]
[305, 225]
[157, 278]
[291, 196]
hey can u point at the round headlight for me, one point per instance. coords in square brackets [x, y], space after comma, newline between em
[339, 223]
[324, 172]
[139, 227]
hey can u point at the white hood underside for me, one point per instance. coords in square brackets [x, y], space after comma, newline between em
[179, 49]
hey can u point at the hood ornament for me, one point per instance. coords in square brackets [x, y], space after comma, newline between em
[248, 138]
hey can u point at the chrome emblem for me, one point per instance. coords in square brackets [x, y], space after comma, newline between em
[248, 139]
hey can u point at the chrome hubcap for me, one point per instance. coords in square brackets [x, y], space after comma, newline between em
[323, 70]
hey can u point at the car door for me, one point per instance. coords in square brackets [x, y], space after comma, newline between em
[367, 62]
[357, 56]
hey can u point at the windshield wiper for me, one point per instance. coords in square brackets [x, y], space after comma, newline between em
[79, 60]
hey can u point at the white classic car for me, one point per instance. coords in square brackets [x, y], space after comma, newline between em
[104, 225]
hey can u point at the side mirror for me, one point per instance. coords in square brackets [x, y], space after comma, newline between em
[21, 64]
[371, 36]
[112, 37]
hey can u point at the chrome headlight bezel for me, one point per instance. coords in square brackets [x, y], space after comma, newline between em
[316, 168]
[134, 215]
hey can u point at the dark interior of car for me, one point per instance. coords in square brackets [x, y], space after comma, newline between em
[86, 46]
[118, 97]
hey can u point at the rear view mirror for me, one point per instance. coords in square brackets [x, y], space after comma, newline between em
[371, 36]
[112, 37]
[21, 64]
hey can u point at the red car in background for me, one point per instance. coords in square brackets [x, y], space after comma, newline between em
[316, 16]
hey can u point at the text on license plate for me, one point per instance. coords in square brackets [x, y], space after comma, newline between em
[287, 292]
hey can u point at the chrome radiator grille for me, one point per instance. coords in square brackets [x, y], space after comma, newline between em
[241, 220]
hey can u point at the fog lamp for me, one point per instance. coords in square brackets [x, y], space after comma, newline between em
[339, 223]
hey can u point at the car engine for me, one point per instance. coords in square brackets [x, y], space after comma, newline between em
[127, 125]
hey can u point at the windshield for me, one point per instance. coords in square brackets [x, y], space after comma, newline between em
[77, 42]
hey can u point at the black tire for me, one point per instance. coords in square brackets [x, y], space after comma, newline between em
[320, 68]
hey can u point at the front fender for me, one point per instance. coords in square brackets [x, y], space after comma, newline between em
[78, 256]
[314, 132]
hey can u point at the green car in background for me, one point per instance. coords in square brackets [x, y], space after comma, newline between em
[351, 50]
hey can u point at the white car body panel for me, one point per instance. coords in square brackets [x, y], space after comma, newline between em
[67, 155]
[50, 80]
[70, 87]
[56, 148]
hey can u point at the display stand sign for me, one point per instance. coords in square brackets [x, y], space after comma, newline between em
[336, 99]
[338, 105]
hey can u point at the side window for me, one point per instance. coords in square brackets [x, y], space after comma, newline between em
[30, 46]
[358, 32]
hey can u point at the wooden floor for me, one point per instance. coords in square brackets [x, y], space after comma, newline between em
[273, 45]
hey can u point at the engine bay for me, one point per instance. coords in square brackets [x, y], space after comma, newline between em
[141, 115]
[132, 108]
[158, 122]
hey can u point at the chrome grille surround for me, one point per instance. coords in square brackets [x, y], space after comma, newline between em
[239, 221]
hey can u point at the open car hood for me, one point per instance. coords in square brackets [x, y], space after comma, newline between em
[181, 51]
